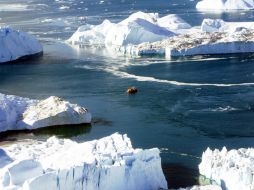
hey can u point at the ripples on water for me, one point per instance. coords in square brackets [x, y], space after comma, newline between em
[183, 106]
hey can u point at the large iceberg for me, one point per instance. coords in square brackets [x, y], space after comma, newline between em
[225, 4]
[198, 43]
[17, 113]
[137, 28]
[61, 164]
[233, 169]
[15, 45]
[219, 25]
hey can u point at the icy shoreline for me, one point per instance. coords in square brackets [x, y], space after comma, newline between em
[17, 113]
[16, 45]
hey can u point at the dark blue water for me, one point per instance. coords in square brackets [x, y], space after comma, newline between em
[181, 120]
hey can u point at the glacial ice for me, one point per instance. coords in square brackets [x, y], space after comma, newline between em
[198, 43]
[16, 44]
[61, 164]
[225, 5]
[17, 113]
[232, 169]
[137, 28]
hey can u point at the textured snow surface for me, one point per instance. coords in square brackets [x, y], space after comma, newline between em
[17, 113]
[137, 28]
[233, 169]
[199, 43]
[225, 4]
[60, 164]
[16, 44]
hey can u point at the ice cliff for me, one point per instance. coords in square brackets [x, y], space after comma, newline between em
[17, 113]
[225, 4]
[16, 44]
[60, 164]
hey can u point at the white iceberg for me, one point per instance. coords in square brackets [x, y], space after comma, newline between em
[60, 164]
[225, 5]
[137, 28]
[198, 43]
[17, 113]
[233, 169]
[218, 25]
[91, 34]
[16, 44]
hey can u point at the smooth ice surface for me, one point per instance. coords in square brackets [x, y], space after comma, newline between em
[60, 164]
[233, 169]
[17, 113]
[225, 4]
[16, 44]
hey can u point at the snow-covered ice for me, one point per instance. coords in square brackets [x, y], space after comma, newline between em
[16, 44]
[225, 4]
[137, 28]
[198, 43]
[17, 113]
[232, 169]
[61, 164]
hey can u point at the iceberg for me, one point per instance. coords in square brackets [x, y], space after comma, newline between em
[198, 43]
[17, 113]
[218, 25]
[225, 5]
[62, 164]
[138, 28]
[16, 45]
[232, 169]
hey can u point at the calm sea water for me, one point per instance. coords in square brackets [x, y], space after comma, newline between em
[180, 120]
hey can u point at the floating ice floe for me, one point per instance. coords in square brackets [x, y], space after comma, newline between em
[233, 169]
[61, 164]
[137, 28]
[218, 25]
[16, 44]
[198, 43]
[225, 5]
[18, 113]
